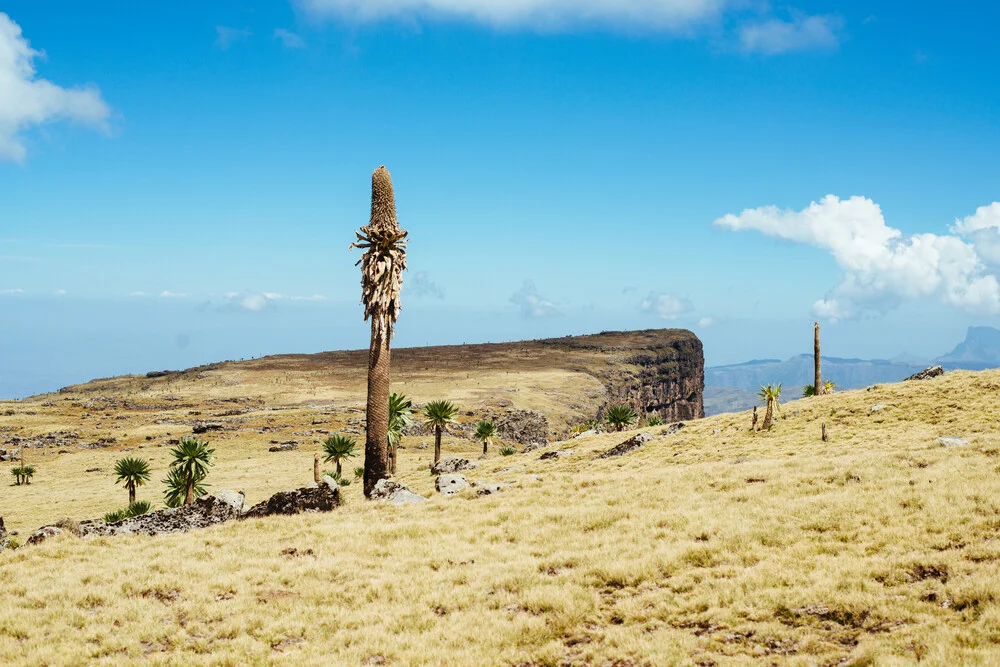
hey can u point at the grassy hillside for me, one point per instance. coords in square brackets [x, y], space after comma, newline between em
[710, 546]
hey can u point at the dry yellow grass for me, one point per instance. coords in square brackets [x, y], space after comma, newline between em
[710, 546]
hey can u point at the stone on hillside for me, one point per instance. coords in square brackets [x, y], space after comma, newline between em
[926, 374]
[525, 427]
[878, 407]
[952, 442]
[317, 498]
[395, 493]
[488, 488]
[674, 428]
[11, 455]
[4, 538]
[288, 446]
[43, 534]
[556, 454]
[585, 434]
[451, 484]
[452, 464]
[205, 427]
[627, 447]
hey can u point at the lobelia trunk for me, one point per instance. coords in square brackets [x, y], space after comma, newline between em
[131, 494]
[316, 468]
[437, 444]
[818, 380]
[377, 438]
[768, 414]
[189, 493]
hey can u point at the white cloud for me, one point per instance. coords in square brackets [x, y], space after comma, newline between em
[166, 294]
[531, 303]
[273, 296]
[706, 322]
[27, 101]
[226, 37]
[60, 292]
[667, 306]
[802, 33]
[647, 14]
[882, 267]
[289, 39]
[11, 292]
[983, 229]
[253, 302]
[422, 285]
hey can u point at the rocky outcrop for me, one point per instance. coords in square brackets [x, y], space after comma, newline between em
[42, 534]
[927, 374]
[627, 447]
[659, 372]
[324, 497]
[205, 511]
[525, 427]
[556, 454]
[451, 484]
[395, 493]
[451, 464]
[4, 537]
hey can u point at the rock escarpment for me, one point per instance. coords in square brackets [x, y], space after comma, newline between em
[659, 372]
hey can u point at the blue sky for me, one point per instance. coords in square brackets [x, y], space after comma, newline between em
[179, 182]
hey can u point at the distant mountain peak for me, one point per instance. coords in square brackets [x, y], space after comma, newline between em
[981, 347]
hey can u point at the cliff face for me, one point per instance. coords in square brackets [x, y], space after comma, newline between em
[659, 372]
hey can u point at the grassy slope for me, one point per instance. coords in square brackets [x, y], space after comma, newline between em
[711, 546]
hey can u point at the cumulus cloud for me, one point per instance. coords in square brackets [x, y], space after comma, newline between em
[666, 306]
[882, 266]
[421, 284]
[983, 229]
[802, 33]
[27, 101]
[289, 39]
[226, 37]
[531, 303]
[649, 14]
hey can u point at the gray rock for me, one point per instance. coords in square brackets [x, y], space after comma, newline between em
[556, 454]
[926, 374]
[205, 427]
[627, 447]
[878, 407]
[423, 445]
[451, 484]
[43, 534]
[952, 442]
[289, 446]
[585, 434]
[317, 498]
[11, 455]
[452, 464]
[488, 488]
[395, 493]
[4, 537]
[675, 427]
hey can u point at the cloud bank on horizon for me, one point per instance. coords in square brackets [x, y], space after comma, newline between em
[882, 266]
[27, 101]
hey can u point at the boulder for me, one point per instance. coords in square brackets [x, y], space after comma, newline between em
[451, 484]
[205, 427]
[43, 534]
[556, 454]
[525, 427]
[952, 442]
[451, 464]
[314, 498]
[11, 455]
[395, 493]
[627, 447]
[4, 537]
[674, 428]
[926, 374]
[488, 488]
[878, 407]
[288, 446]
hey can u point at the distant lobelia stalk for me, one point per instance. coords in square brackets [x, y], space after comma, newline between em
[382, 268]
[818, 379]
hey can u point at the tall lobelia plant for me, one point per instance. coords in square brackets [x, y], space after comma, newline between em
[382, 266]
